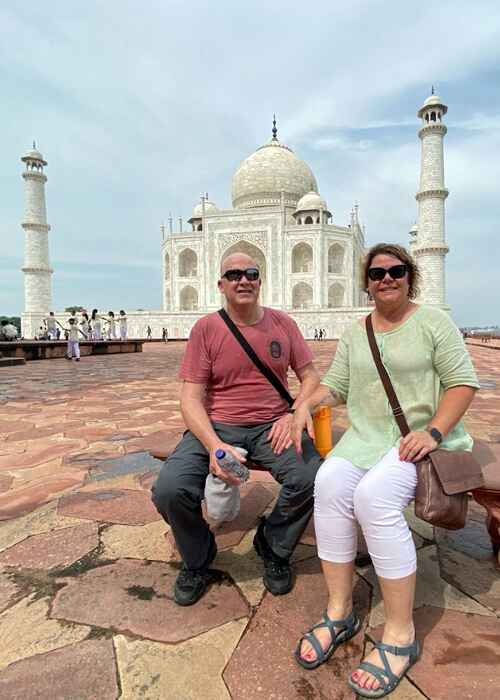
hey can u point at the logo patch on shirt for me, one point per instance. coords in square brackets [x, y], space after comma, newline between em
[275, 349]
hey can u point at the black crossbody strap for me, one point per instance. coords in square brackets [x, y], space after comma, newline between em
[266, 371]
[386, 380]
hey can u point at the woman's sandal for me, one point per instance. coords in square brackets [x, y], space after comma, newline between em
[385, 676]
[350, 625]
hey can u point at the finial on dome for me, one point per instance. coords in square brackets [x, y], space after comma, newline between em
[432, 90]
[275, 130]
[34, 144]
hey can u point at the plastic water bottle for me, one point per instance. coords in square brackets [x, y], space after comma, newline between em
[223, 500]
[230, 464]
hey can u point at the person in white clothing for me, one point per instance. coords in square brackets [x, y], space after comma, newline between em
[50, 325]
[96, 325]
[111, 325]
[73, 344]
[85, 324]
[123, 325]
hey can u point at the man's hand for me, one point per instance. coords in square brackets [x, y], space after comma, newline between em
[279, 435]
[302, 419]
[416, 445]
[220, 473]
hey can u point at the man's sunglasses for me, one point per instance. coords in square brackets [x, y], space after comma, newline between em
[396, 272]
[251, 273]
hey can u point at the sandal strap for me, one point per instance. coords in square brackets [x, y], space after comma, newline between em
[383, 678]
[409, 650]
[314, 642]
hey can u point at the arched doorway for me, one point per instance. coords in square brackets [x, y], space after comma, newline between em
[302, 296]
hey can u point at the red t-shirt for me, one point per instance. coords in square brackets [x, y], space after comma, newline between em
[237, 392]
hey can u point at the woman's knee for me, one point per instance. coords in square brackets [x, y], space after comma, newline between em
[331, 488]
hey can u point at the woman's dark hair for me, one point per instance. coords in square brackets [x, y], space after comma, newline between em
[110, 313]
[94, 314]
[122, 312]
[397, 251]
[85, 315]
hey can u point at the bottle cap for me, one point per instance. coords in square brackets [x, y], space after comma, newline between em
[220, 454]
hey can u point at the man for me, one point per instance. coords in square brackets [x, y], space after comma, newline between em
[226, 402]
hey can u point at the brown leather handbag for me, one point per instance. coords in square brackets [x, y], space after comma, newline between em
[443, 476]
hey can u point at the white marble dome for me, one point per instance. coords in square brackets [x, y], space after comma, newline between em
[273, 168]
[210, 208]
[311, 202]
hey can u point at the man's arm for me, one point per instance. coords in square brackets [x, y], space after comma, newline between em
[197, 421]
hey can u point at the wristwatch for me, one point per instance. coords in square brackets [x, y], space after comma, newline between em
[435, 434]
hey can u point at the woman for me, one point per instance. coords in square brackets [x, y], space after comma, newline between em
[96, 325]
[370, 475]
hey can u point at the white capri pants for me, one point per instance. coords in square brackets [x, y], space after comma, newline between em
[344, 493]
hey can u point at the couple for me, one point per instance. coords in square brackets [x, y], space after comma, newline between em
[370, 475]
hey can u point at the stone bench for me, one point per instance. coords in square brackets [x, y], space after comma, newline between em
[161, 444]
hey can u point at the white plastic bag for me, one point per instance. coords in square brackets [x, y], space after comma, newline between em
[222, 500]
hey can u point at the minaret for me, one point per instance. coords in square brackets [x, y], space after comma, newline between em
[430, 248]
[413, 234]
[37, 271]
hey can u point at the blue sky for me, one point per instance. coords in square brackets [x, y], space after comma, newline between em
[140, 107]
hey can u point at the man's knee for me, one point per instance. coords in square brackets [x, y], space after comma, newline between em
[170, 490]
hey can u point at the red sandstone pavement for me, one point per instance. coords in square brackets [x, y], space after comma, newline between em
[87, 565]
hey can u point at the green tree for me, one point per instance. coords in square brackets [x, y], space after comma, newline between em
[73, 309]
[15, 320]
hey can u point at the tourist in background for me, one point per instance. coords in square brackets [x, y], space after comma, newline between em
[123, 325]
[7, 330]
[95, 321]
[370, 476]
[85, 325]
[73, 340]
[149, 333]
[50, 324]
[111, 325]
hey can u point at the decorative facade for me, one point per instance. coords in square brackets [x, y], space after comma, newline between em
[310, 264]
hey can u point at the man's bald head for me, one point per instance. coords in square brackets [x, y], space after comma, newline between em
[237, 261]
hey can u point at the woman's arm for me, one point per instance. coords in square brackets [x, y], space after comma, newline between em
[452, 407]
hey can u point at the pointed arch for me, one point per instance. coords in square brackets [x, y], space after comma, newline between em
[188, 299]
[335, 258]
[302, 258]
[166, 266]
[188, 263]
[167, 303]
[335, 295]
[302, 296]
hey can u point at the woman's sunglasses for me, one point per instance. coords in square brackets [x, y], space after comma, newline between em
[396, 272]
[251, 273]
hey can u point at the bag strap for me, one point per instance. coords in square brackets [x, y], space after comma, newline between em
[266, 371]
[386, 380]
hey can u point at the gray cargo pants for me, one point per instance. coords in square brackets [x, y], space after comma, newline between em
[179, 489]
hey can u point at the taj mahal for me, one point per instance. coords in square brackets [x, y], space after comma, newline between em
[310, 264]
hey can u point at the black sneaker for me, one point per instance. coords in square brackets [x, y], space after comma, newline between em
[191, 584]
[277, 573]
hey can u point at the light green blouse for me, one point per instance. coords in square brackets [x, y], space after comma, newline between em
[424, 356]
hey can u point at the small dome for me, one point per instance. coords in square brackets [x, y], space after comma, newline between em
[432, 101]
[210, 208]
[34, 154]
[264, 175]
[311, 202]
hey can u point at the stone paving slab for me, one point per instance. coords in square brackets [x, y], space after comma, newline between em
[25, 630]
[190, 670]
[136, 597]
[119, 506]
[84, 671]
[272, 636]
[54, 549]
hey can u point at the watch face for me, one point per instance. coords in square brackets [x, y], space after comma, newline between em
[436, 434]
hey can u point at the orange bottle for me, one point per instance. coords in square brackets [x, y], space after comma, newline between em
[322, 420]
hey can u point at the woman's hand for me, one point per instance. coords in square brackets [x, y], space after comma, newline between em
[302, 419]
[416, 445]
[279, 435]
